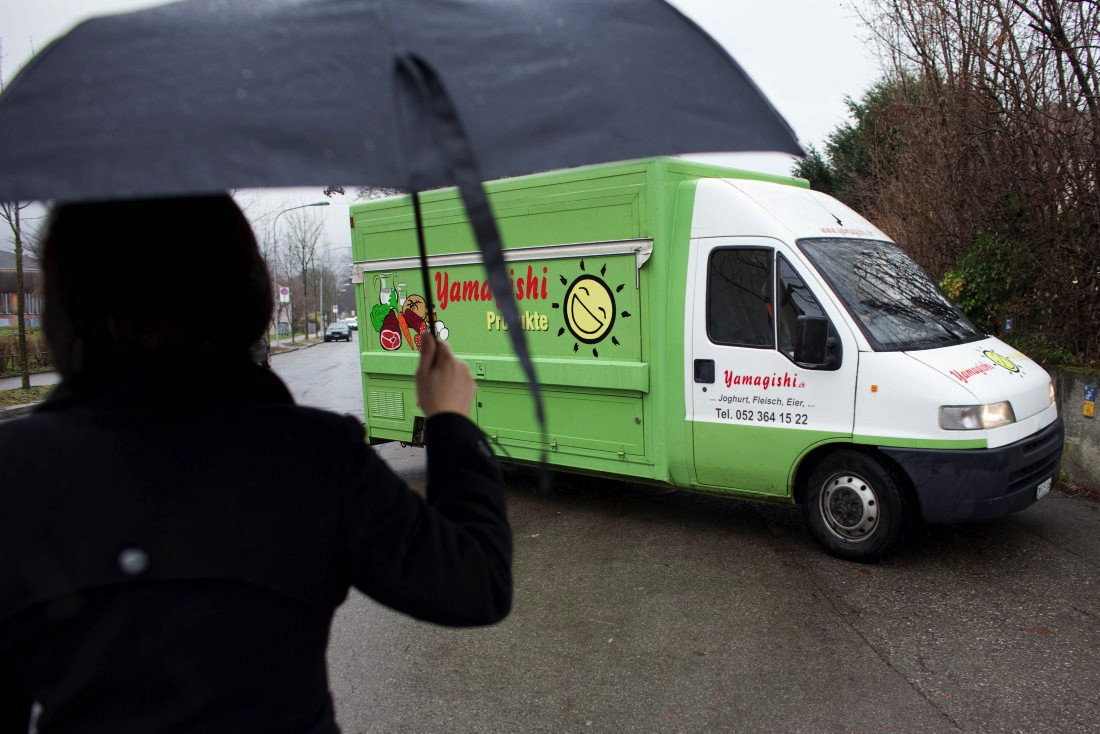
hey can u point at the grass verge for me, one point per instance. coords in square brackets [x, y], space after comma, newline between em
[11, 398]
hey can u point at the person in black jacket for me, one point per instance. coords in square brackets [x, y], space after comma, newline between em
[175, 533]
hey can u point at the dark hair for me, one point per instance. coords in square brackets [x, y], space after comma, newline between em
[160, 279]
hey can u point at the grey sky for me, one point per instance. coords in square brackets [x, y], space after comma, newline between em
[806, 56]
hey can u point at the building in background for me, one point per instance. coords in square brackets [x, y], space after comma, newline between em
[9, 298]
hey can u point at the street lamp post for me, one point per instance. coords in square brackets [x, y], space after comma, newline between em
[321, 293]
[321, 288]
[275, 235]
[340, 299]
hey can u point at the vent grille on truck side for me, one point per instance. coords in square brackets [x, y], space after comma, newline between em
[384, 404]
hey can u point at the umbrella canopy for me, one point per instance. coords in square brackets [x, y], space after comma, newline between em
[208, 95]
[205, 95]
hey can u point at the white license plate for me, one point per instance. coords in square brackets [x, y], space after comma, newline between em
[1043, 489]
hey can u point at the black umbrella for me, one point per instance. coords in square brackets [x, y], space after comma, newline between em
[207, 95]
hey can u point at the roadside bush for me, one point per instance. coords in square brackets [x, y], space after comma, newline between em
[979, 152]
[37, 352]
[989, 282]
[1002, 285]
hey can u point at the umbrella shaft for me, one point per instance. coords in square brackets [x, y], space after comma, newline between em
[428, 301]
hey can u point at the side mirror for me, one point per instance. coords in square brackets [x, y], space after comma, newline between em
[813, 347]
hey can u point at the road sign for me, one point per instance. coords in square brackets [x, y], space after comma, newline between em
[284, 294]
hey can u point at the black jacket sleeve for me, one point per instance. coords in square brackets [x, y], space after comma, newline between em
[446, 559]
[15, 703]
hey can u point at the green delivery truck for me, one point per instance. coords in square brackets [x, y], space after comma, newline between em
[714, 330]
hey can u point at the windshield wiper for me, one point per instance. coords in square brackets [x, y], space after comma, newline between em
[945, 327]
[894, 308]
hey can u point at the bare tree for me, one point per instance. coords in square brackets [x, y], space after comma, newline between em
[263, 226]
[364, 193]
[11, 212]
[326, 278]
[26, 239]
[299, 251]
[986, 161]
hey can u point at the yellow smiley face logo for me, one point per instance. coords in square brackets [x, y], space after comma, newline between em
[589, 309]
[1001, 361]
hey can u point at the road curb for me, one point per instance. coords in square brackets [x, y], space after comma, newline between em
[295, 349]
[16, 411]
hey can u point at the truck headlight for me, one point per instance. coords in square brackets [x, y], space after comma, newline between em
[973, 417]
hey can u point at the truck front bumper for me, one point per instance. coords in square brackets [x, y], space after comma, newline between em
[981, 484]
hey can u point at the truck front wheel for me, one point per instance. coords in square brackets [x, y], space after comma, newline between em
[854, 507]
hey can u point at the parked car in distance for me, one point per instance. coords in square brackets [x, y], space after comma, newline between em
[353, 324]
[337, 331]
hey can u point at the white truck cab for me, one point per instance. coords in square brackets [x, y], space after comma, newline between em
[936, 412]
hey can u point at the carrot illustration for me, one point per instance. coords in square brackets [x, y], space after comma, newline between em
[405, 329]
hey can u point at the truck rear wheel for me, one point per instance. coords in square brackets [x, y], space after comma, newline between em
[854, 507]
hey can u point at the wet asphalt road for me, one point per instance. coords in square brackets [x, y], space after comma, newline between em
[639, 609]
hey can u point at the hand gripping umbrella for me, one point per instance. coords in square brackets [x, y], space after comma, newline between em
[206, 95]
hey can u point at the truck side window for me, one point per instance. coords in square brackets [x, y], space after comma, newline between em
[739, 294]
[794, 299]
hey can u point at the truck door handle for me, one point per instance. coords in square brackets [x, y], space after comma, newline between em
[704, 371]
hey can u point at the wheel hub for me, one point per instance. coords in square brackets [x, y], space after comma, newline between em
[850, 507]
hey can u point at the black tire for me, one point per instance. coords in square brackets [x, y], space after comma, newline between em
[855, 507]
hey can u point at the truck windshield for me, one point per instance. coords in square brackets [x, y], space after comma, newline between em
[895, 304]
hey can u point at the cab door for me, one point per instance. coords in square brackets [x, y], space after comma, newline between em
[753, 410]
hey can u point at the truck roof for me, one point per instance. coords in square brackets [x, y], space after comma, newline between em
[666, 164]
[609, 202]
[762, 208]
